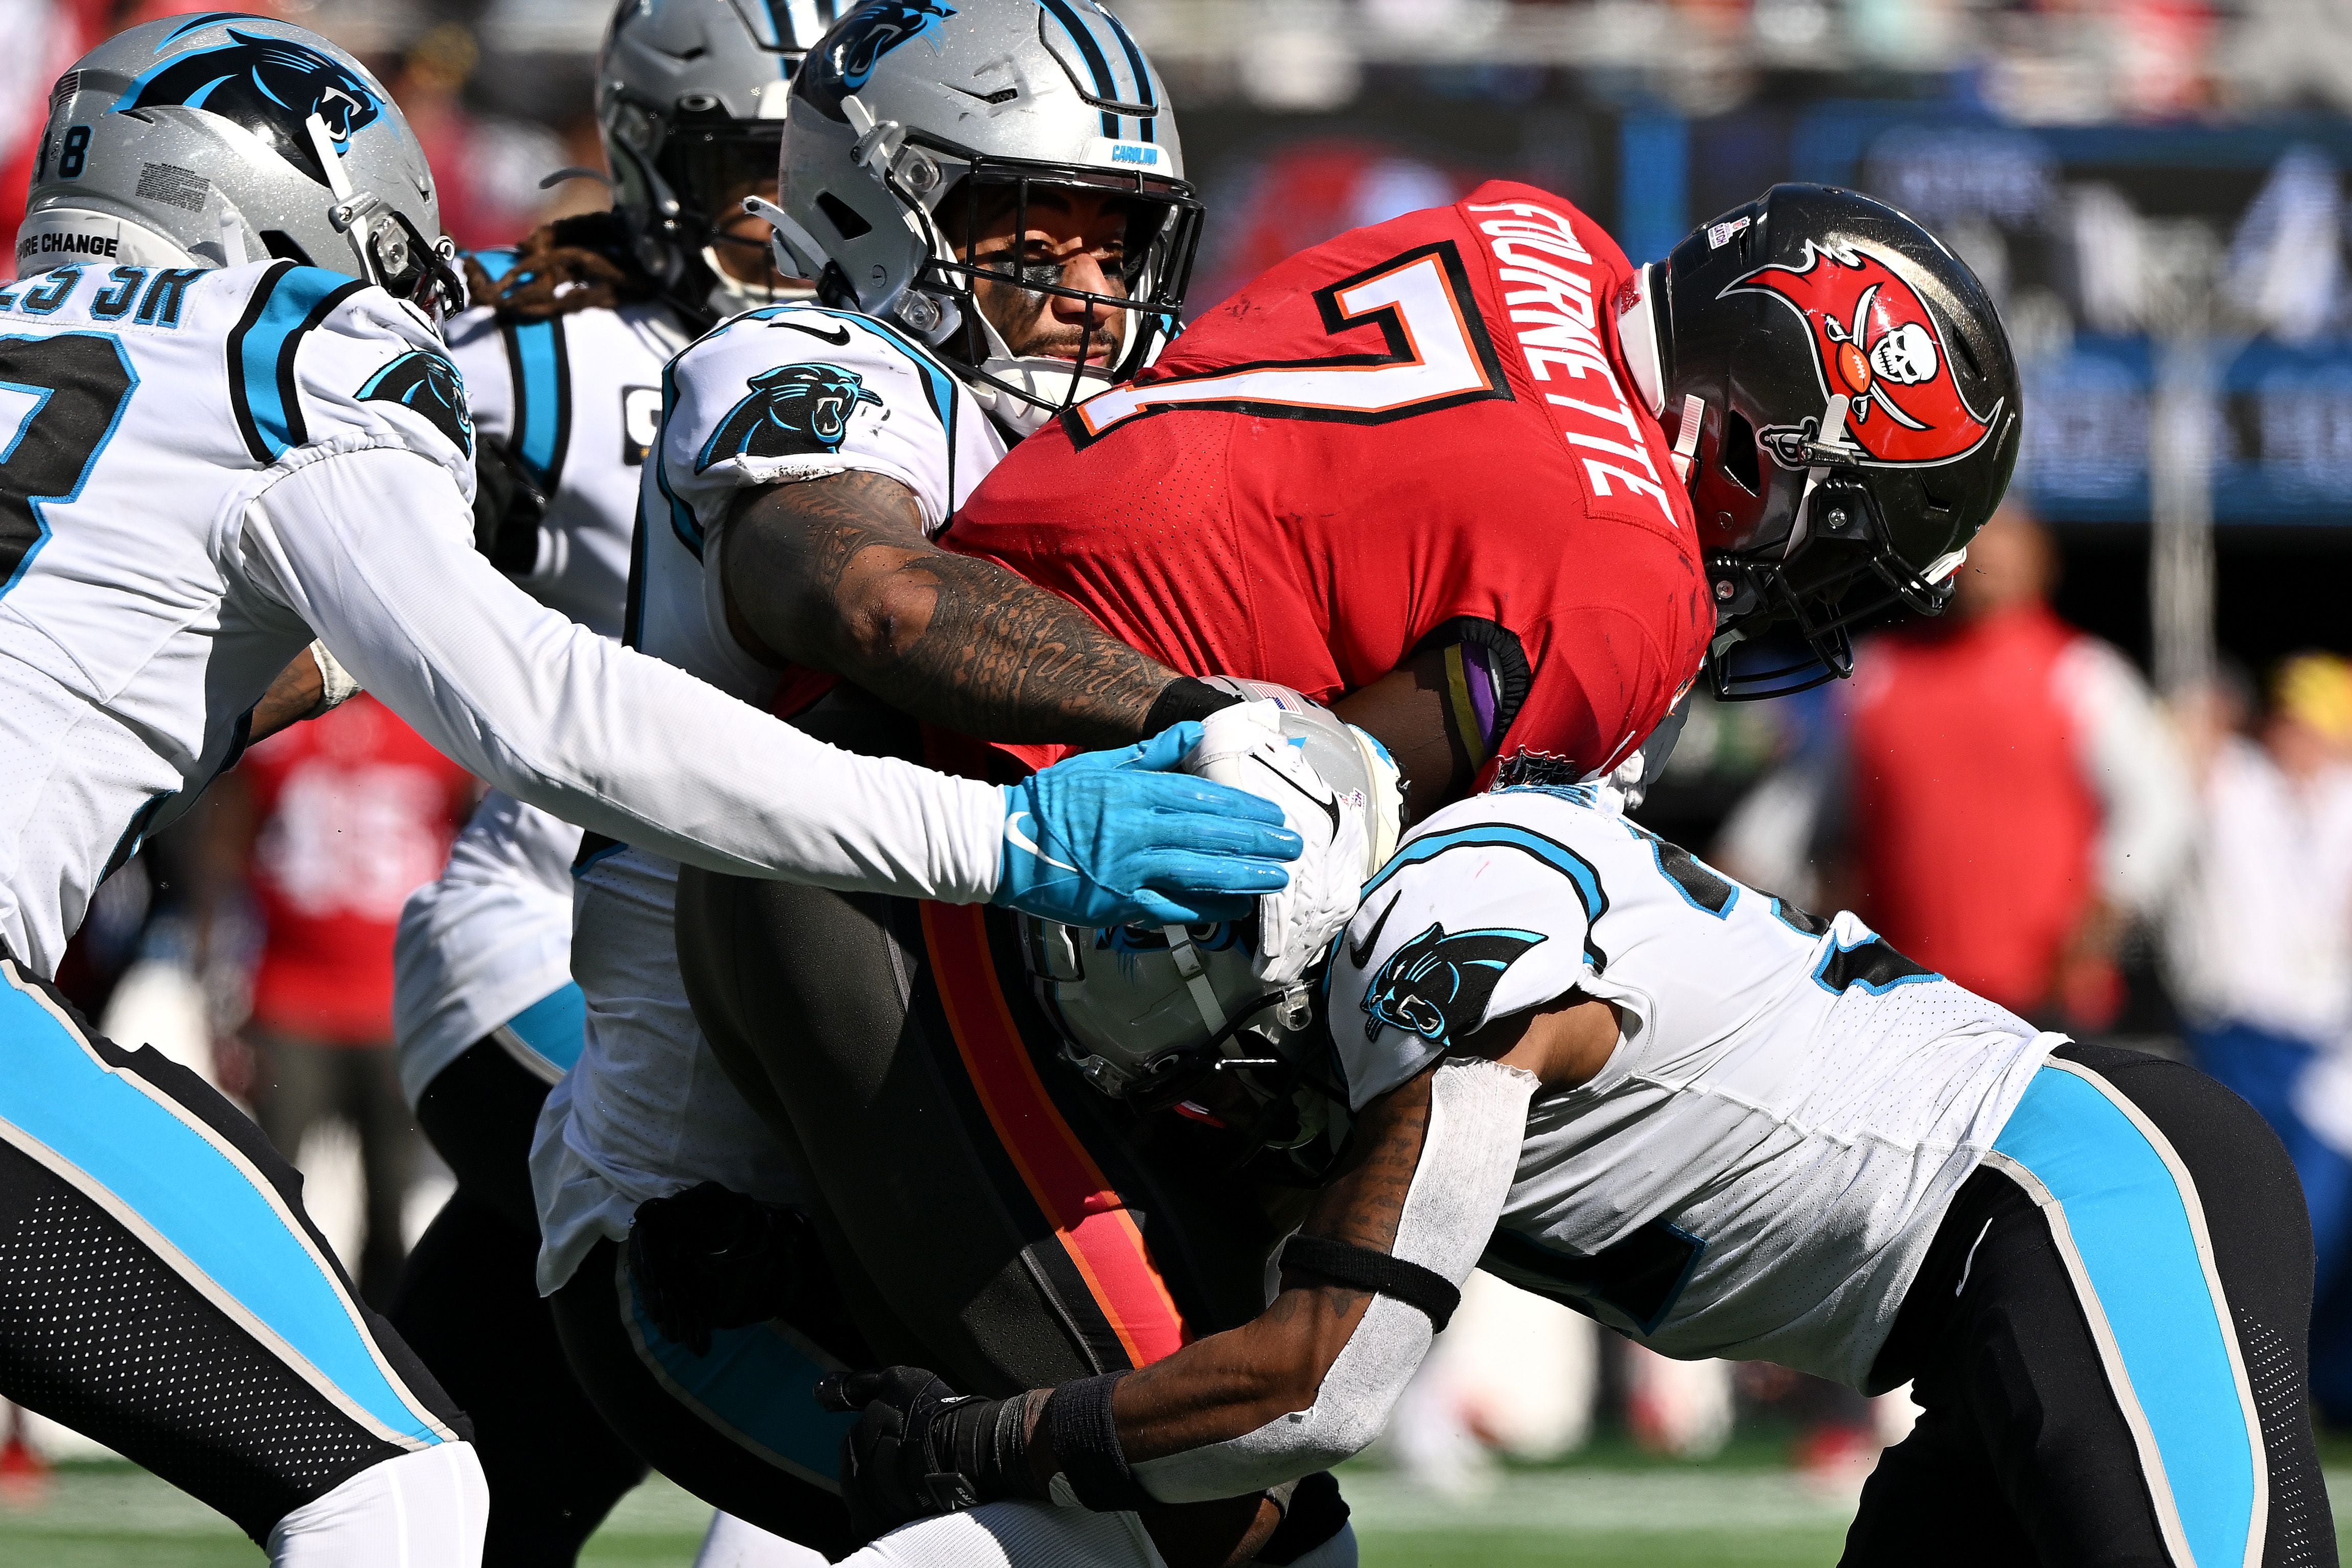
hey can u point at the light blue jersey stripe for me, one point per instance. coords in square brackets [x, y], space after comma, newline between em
[135, 1152]
[294, 295]
[758, 1382]
[2136, 1233]
[554, 1028]
[540, 395]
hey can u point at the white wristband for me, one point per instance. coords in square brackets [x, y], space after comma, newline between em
[337, 685]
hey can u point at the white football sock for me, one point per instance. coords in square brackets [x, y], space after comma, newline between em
[732, 1543]
[424, 1510]
[1013, 1535]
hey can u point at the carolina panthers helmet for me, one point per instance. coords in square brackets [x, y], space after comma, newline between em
[691, 98]
[1146, 1013]
[216, 140]
[908, 104]
[1846, 408]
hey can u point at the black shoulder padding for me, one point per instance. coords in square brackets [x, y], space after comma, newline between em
[1085, 1439]
[1361, 1268]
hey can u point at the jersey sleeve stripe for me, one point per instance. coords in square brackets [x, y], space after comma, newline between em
[539, 357]
[1578, 871]
[288, 302]
[495, 266]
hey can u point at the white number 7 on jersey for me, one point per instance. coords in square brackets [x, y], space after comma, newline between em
[1438, 355]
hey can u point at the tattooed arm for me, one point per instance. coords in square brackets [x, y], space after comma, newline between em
[835, 574]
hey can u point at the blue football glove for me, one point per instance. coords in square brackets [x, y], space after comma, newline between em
[1121, 837]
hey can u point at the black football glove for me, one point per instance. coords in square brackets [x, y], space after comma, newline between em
[921, 1448]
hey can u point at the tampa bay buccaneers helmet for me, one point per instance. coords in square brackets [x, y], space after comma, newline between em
[1847, 408]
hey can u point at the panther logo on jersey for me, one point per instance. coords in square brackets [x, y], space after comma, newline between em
[792, 409]
[271, 86]
[1876, 343]
[1436, 985]
[426, 384]
[856, 46]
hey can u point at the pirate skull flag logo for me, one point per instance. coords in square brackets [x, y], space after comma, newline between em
[1875, 343]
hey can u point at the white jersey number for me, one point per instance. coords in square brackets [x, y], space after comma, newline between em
[1437, 355]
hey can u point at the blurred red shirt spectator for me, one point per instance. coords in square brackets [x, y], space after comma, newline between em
[352, 813]
[2017, 799]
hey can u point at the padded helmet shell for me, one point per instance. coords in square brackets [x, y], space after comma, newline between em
[1859, 406]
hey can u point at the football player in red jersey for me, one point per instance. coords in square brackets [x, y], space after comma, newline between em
[1420, 471]
[1414, 448]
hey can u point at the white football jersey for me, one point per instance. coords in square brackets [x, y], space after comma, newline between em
[205, 470]
[784, 393]
[143, 410]
[1760, 1167]
[577, 398]
[790, 392]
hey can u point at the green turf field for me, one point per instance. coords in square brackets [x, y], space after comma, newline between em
[1592, 1515]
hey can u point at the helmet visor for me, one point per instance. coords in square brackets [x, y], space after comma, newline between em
[711, 168]
[1075, 266]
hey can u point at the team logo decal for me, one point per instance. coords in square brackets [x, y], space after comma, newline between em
[792, 409]
[1876, 343]
[427, 384]
[1436, 984]
[856, 46]
[255, 78]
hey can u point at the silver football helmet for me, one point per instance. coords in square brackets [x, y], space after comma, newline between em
[691, 98]
[216, 140]
[911, 114]
[1145, 1014]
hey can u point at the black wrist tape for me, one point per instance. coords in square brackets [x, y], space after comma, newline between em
[1181, 699]
[986, 1441]
[1085, 1438]
[1361, 1268]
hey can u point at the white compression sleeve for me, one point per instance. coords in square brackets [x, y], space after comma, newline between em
[732, 1543]
[359, 546]
[1013, 1535]
[1477, 1120]
[426, 1510]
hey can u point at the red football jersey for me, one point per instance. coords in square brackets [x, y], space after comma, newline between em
[1420, 431]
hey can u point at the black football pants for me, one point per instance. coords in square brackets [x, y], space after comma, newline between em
[2106, 1343]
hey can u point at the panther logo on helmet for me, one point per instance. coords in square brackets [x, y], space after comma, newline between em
[856, 46]
[1877, 344]
[255, 78]
[1436, 985]
[790, 409]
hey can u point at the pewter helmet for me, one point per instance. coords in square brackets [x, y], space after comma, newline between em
[907, 103]
[691, 98]
[1146, 1013]
[216, 140]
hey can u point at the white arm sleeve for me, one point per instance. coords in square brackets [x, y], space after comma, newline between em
[1477, 1120]
[2133, 763]
[373, 549]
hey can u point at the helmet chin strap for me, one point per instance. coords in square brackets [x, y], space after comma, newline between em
[1195, 971]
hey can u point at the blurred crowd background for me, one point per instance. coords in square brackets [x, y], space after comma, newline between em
[2113, 789]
